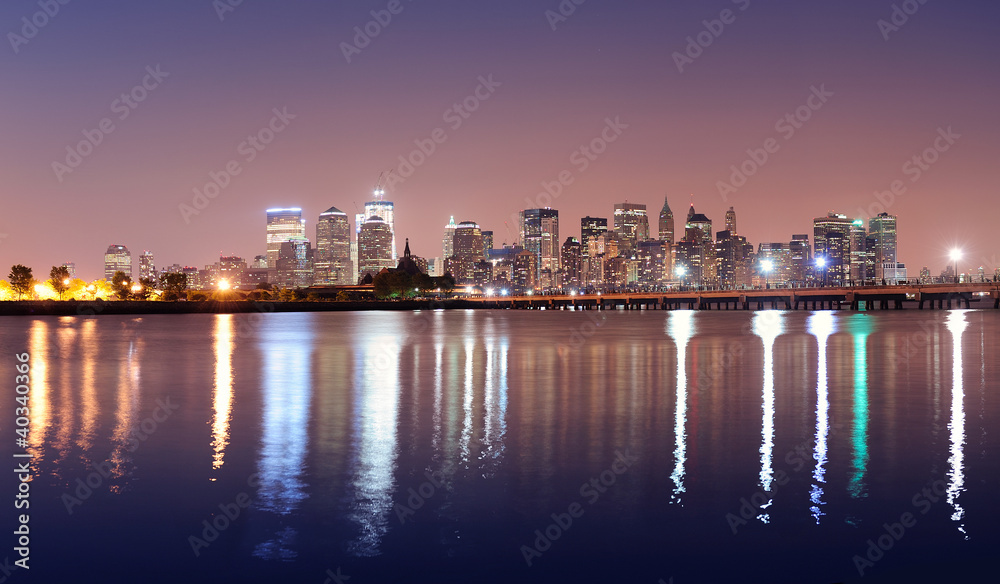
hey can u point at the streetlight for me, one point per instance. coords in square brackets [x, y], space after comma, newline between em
[223, 284]
[821, 264]
[681, 270]
[956, 254]
[766, 265]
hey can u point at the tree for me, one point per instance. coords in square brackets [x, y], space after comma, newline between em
[59, 279]
[343, 296]
[122, 285]
[20, 280]
[148, 285]
[174, 282]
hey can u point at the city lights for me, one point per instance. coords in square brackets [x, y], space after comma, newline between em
[224, 284]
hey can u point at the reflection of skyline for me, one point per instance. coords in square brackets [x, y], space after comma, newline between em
[222, 392]
[767, 325]
[821, 324]
[860, 327]
[284, 441]
[956, 469]
[680, 327]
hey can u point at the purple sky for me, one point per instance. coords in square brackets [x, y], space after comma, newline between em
[353, 120]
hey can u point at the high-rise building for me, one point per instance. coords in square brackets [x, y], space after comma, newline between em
[540, 235]
[733, 257]
[773, 264]
[71, 267]
[448, 241]
[802, 269]
[653, 258]
[233, 269]
[467, 251]
[731, 221]
[701, 253]
[117, 259]
[572, 262]
[379, 207]
[282, 225]
[832, 245]
[591, 228]
[488, 242]
[146, 268]
[883, 229]
[859, 252]
[294, 267]
[666, 223]
[374, 247]
[631, 224]
[333, 249]
[524, 276]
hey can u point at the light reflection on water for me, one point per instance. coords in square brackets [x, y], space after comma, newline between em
[339, 414]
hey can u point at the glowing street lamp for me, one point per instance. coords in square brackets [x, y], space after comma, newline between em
[224, 284]
[766, 266]
[821, 264]
[681, 271]
[956, 254]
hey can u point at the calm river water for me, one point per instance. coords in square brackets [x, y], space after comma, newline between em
[504, 446]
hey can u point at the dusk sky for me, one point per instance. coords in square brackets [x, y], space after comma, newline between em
[896, 91]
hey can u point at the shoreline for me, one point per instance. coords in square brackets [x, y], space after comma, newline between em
[140, 307]
[126, 307]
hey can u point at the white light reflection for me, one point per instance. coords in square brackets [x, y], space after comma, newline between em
[821, 325]
[222, 402]
[467, 399]
[767, 325]
[680, 327]
[285, 437]
[956, 474]
[377, 384]
[495, 431]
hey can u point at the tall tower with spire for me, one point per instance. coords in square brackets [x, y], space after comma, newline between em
[666, 223]
[731, 221]
[448, 241]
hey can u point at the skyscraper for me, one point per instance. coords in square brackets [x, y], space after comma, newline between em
[591, 228]
[375, 247]
[631, 223]
[146, 268]
[282, 225]
[540, 235]
[294, 266]
[859, 252]
[333, 248]
[883, 229]
[467, 250]
[572, 258]
[832, 243]
[379, 207]
[117, 259]
[666, 223]
[731, 221]
[448, 241]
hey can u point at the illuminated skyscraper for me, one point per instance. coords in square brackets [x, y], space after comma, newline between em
[282, 226]
[117, 259]
[467, 251]
[883, 229]
[832, 242]
[731, 221]
[572, 259]
[591, 228]
[859, 252]
[631, 224]
[333, 248]
[146, 268]
[666, 231]
[375, 247]
[448, 241]
[540, 235]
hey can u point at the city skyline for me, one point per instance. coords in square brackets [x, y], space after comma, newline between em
[321, 125]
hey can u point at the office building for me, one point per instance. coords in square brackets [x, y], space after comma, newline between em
[117, 259]
[282, 226]
[539, 232]
[333, 249]
[883, 230]
[666, 231]
[374, 247]
[631, 224]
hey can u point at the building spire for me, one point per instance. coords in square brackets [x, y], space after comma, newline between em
[406, 251]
